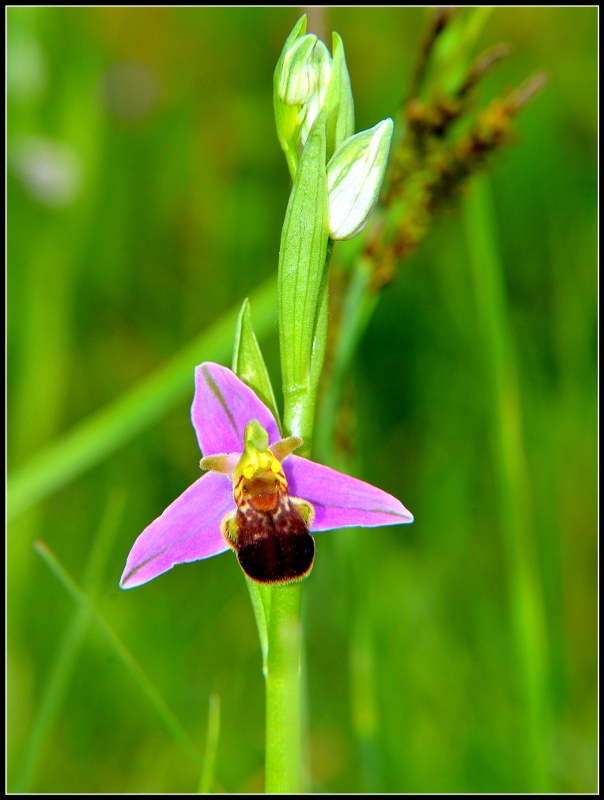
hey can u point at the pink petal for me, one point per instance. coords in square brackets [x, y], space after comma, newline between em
[339, 500]
[222, 407]
[189, 529]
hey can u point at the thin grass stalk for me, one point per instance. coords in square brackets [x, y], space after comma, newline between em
[525, 593]
[69, 648]
[104, 431]
[174, 727]
[209, 759]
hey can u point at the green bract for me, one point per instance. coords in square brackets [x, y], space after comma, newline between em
[302, 285]
[248, 363]
[339, 100]
[354, 178]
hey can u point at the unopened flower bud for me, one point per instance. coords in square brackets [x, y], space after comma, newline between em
[354, 179]
[314, 103]
[298, 77]
[304, 79]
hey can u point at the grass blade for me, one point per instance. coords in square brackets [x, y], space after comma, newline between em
[104, 431]
[528, 615]
[172, 724]
[209, 760]
[62, 669]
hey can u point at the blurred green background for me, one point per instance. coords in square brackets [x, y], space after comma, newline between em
[146, 193]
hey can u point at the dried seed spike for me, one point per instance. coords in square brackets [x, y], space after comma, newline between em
[523, 95]
[439, 19]
[485, 62]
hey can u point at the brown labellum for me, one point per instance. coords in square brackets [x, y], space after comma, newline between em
[269, 532]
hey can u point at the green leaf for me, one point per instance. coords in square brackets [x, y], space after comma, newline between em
[302, 263]
[285, 115]
[339, 100]
[248, 363]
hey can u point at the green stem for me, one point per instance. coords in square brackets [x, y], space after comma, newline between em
[358, 307]
[283, 721]
[303, 317]
[282, 613]
[527, 608]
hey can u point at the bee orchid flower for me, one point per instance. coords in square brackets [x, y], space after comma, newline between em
[256, 498]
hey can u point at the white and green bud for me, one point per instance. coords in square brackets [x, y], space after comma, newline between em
[314, 103]
[298, 79]
[304, 79]
[286, 116]
[307, 80]
[354, 179]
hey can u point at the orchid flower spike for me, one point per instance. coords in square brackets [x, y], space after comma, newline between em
[256, 498]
